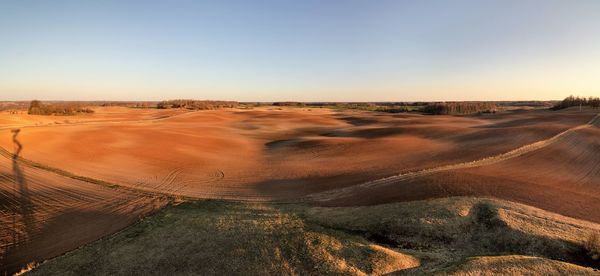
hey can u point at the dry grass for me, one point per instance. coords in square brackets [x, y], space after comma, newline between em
[443, 232]
[592, 247]
[529, 219]
[518, 265]
[438, 236]
[216, 238]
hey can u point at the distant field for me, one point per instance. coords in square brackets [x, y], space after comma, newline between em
[70, 180]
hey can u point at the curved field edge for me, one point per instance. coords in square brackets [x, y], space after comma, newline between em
[29, 163]
[319, 196]
[435, 236]
[43, 215]
[490, 160]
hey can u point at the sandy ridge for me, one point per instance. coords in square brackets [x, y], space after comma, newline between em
[338, 193]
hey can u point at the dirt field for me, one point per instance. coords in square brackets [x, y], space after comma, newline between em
[560, 174]
[270, 153]
[44, 214]
[100, 172]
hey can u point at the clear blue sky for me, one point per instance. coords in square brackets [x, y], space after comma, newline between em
[323, 50]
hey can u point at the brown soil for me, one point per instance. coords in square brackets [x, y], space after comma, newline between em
[562, 176]
[55, 196]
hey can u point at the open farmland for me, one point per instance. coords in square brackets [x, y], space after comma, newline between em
[272, 154]
[299, 138]
[70, 180]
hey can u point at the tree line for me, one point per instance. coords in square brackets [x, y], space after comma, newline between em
[36, 107]
[577, 101]
[196, 104]
[460, 108]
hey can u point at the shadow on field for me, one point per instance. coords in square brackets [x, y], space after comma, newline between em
[23, 222]
[25, 200]
[62, 233]
[292, 188]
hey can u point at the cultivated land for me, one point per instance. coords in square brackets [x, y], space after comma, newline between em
[315, 189]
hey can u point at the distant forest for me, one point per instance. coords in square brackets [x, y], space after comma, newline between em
[65, 109]
[577, 101]
[460, 108]
[196, 104]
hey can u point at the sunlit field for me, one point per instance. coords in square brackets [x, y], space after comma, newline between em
[265, 137]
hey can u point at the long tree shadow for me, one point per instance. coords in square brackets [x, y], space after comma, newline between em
[23, 221]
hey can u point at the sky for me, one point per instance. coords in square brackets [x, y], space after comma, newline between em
[309, 50]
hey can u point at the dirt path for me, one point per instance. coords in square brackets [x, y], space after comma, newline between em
[339, 193]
